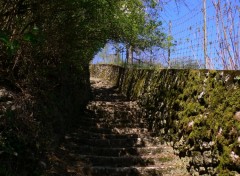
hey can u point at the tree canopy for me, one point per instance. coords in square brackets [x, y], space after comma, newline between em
[46, 47]
[73, 30]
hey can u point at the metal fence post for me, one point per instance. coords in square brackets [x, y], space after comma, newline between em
[205, 34]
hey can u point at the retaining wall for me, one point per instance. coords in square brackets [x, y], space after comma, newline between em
[196, 111]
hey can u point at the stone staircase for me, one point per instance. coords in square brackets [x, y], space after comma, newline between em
[112, 141]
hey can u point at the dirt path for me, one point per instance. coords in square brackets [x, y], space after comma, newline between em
[112, 141]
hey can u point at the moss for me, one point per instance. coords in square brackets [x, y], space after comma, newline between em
[165, 159]
[208, 99]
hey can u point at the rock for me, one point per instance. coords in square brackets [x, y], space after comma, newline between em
[43, 164]
[190, 125]
[13, 108]
[180, 143]
[211, 171]
[197, 158]
[201, 95]
[9, 102]
[237, 116]
[234, 156]
[5, 95]
[202, 170]
[227, 78]
[193, 171]
[205, 146]
[207, 157]
[237, 174]
[3, 92]
[215, 158]
[162, 131]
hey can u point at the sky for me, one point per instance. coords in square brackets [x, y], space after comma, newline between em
[187, 23]
[186, 28]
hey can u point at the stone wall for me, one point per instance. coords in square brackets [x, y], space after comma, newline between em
[111, 73]
[196, 111]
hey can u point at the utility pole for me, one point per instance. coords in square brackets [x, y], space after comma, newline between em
[169, 43]
[205, 34]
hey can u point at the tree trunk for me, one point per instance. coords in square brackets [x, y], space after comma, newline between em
[129, 54]
[118, 53]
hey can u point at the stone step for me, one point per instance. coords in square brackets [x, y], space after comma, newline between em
[117, 119]
[130, 141]
[132, 130]
[134, 171]
[115, 130]
[123, 105]
[117, 111]
[114, 152]
[122, 125]
[116, 143]
[112, 140]
[125, 171]
[96, 129]
[122, 161]
[106, 123]
[92, 135]
[102, 120]
[112, 113]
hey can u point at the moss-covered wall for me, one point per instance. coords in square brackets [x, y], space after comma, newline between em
[197, 111]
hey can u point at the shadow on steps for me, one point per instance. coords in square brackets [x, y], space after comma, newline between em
[110, 141]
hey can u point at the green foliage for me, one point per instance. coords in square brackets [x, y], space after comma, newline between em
[4, 38]
[46, 51]
[169, 42]
[46, 47]
[11, 46]
[29, 37]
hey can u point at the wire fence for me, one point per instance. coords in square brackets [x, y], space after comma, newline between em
[213, 44]
[206, 37]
